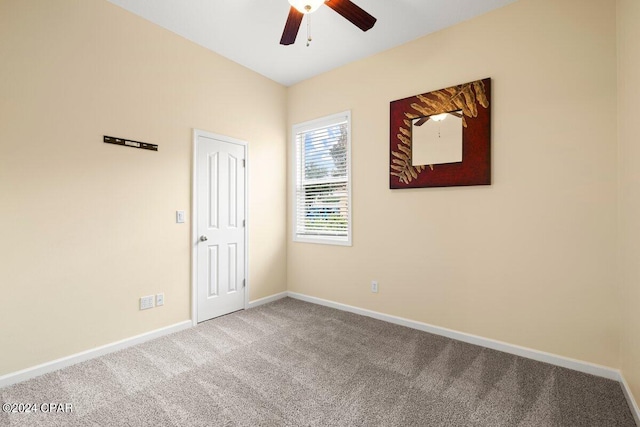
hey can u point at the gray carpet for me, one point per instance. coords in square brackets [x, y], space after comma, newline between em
[291, 363]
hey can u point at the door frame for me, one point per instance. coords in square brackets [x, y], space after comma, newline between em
[194, 218]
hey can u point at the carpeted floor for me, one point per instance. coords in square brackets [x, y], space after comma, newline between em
[291, 363]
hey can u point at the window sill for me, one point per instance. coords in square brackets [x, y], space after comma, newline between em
[335, 241]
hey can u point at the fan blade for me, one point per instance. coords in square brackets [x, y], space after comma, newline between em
[353, 13]
[421, 121]
[291, 27]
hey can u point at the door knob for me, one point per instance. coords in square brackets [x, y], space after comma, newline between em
[203, 238]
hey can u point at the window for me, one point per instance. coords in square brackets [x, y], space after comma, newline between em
[322, 201]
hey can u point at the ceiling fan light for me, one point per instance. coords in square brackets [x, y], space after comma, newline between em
[306, 6]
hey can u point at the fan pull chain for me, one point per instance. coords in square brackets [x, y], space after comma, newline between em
[308, 29]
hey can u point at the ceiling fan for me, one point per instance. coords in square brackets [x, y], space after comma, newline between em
[349, 10]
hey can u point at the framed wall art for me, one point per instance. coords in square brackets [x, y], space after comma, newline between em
[442, 138]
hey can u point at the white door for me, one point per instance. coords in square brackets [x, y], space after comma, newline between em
[220, 245]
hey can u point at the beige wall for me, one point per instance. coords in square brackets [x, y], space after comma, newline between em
[531, 259]
[87, 228]
[629, 129]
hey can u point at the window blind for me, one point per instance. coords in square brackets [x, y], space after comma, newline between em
[322, 199]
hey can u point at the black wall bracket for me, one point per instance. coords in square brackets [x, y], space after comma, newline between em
[130, 143]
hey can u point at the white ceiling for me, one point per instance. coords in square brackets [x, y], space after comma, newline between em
[248, 31]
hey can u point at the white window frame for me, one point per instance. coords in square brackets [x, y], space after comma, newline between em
[304, 127]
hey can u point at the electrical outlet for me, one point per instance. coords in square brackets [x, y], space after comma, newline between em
[160, 299]
[146, 302]
[374, 286]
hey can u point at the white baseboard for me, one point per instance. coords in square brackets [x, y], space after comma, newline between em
[565, 362]
[265, 300]
[54, 365]
[541, 356]
[25, 374]
[633, 405]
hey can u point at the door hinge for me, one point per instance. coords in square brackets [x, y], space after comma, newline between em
[244, 222]
[244, 163]
[244, 282]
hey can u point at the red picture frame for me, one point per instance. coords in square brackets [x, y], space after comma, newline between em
[473, 99]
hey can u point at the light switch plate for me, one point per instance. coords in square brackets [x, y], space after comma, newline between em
[180, 217]
[374, 286]
[160, 299]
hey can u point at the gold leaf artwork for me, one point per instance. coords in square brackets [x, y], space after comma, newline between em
[465, 97]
